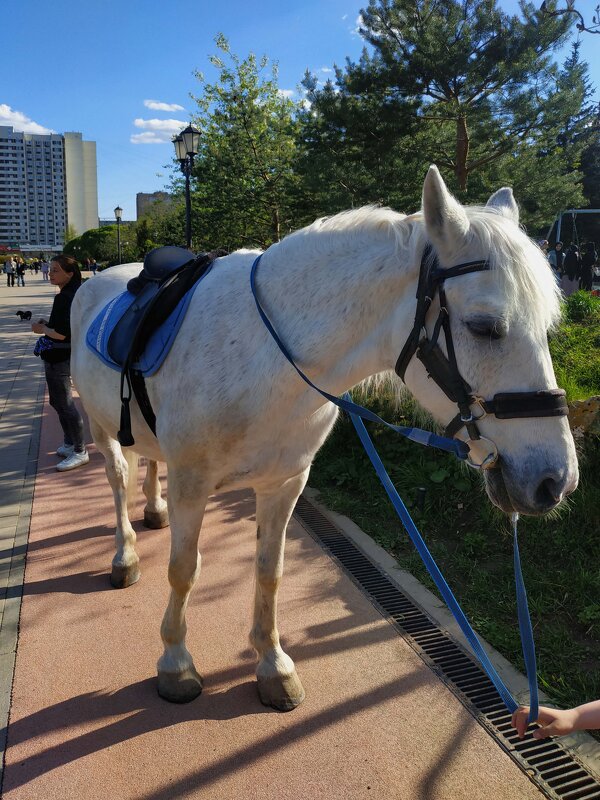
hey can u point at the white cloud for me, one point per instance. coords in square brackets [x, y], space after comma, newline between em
[156, 131]
[289, 93]
[171, 125]
[149, 137]
[156, 105]
[325, 69]
[19, 121]
[345, 16]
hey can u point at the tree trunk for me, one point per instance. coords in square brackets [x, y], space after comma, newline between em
[462, 152]
[276, 224]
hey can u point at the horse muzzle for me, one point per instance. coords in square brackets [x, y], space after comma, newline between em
[533, 489]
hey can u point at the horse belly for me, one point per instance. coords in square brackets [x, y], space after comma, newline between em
[272, 453]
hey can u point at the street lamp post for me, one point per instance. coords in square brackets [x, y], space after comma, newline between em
[187, 145]
[118, 215]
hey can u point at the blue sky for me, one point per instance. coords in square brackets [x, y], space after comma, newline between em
[99, 66]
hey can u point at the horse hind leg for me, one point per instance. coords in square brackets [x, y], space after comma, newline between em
[156, 514]
[121, 471]
[278, 683]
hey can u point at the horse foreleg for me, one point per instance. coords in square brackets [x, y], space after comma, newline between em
[278, 683]
[155, 511]
[121, 469]
[178, 680]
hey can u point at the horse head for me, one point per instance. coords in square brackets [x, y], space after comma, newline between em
[499, 316]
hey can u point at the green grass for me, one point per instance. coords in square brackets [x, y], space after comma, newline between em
[471, 540]
[575, 347]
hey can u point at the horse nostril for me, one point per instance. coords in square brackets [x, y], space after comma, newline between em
[549, 493]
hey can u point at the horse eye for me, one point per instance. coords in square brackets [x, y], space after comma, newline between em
[488, 329]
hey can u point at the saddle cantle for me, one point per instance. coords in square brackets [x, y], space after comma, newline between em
[158, 265]
[168, 274]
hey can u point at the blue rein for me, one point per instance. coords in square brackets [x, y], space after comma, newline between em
[460, 449]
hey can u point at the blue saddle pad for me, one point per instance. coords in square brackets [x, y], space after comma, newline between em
[159, 342]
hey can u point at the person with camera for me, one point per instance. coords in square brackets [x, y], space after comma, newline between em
[54, 348]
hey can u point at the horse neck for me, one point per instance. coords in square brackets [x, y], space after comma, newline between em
[338, 313]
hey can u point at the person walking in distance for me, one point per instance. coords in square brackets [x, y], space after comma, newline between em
[589, 260]
[556, 258]
[10, 269]
[54, 348]
[45, 268]
[569, 281]
[20, 269]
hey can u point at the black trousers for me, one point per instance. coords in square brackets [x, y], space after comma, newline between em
[58, 378]
[10, 278]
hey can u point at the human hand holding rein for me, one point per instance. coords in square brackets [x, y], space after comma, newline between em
[557, 721]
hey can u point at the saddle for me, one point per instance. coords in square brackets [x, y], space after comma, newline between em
[168, 274]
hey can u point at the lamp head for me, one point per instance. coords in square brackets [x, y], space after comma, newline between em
[191, 140]
[179, 145]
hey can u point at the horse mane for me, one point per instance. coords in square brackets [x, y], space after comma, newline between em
[356, 225]
[528, 281]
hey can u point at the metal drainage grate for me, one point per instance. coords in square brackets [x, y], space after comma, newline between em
[553, 769]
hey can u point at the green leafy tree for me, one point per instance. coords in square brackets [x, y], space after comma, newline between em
[144, 237]
[166, 225]
[245, 181]
[70, 233]
[98, 243]
[101, 244]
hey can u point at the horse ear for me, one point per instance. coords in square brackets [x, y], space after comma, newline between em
[505, 202]
[445, 219]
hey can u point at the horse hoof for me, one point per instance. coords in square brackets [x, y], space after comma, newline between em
[122, 577]
[283, 694]
[180, 687]
[156, 519]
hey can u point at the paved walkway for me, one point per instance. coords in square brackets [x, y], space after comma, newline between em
[22, 388]
[85, 719]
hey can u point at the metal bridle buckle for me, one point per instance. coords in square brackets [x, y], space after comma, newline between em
[477, 401]
[488, 457]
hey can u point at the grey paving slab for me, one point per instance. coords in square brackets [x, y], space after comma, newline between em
[22, 387]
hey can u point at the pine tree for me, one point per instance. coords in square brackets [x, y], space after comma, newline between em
[474, 90]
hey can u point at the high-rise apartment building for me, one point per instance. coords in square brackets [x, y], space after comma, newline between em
[46, 183]
[81, 182]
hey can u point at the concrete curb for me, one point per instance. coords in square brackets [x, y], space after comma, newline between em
[580, 744]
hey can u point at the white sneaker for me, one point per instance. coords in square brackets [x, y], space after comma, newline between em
[73, 461]
[65, 450]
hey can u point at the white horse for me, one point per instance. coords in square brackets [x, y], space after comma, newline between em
[232, 413]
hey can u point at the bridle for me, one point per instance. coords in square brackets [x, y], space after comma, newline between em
[444, 369]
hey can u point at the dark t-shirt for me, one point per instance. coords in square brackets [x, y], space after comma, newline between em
[60, 321]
